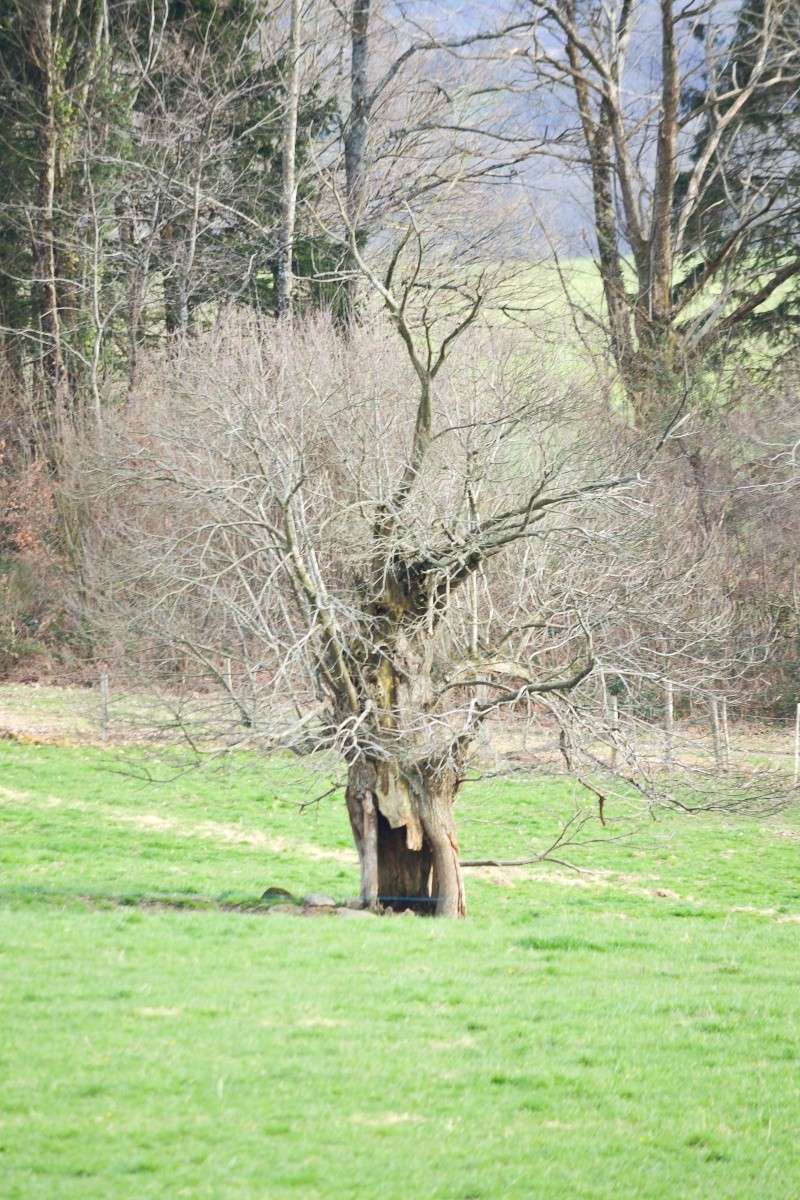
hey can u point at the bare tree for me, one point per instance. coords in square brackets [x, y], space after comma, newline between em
[662, 124]
[419, 123]
[51, 59]
[755, 476]
[289, 154]
[355, 132]
[374, 556]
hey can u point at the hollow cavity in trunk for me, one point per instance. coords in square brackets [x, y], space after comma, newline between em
[405, 835]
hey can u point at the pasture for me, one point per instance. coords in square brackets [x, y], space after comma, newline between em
[632, 1030]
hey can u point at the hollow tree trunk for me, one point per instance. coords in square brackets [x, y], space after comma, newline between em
[405, 835]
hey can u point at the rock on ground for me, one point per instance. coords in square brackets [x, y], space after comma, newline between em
[319, 900]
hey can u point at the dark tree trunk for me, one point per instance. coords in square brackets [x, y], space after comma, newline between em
[176, 302]
[50, 373]
[355, 143]
[412, 844]
[284, 277]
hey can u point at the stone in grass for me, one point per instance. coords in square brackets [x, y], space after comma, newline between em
[354, 912]
[291, 910]
[319, 900]
[277, 895]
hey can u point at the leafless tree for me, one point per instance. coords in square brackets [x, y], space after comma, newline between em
[643, 83]
[289, 165]
[755, 480]
[50, 72]
[422, 120]
[375, 555]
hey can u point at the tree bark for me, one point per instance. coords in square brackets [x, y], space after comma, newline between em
[284, 276]
[355, 142]
[45, 300]
[415, 837]
[177, 311]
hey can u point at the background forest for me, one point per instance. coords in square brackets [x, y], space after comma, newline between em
[613, 189]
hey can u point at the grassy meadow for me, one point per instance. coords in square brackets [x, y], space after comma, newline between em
[629, 1031]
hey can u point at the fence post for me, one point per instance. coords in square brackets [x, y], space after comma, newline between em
[715, 733]
[669, 723]
[604, 691]
[614, 731]
[526, 724]
[726, 739]
[104, 699]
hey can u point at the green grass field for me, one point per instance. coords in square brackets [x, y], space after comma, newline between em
[630, 1032]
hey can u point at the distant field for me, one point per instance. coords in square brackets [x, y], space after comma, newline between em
[545, 296]
[632, 1031]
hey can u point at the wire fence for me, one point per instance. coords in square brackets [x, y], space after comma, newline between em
[720, 735]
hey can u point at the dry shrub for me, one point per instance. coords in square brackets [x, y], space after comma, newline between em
[761, 519]
[36, 627]
[30, 613]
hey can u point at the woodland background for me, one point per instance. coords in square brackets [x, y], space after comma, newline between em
[621, 180]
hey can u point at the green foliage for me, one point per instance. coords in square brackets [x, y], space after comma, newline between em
[633, 1032]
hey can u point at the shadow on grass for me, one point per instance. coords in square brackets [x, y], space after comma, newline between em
[30, 896]
[27, 896]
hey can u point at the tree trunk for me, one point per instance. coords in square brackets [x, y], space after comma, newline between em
[45, 300]
[355, 144]
[177, 314]
[417, 864]
[288, 180]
